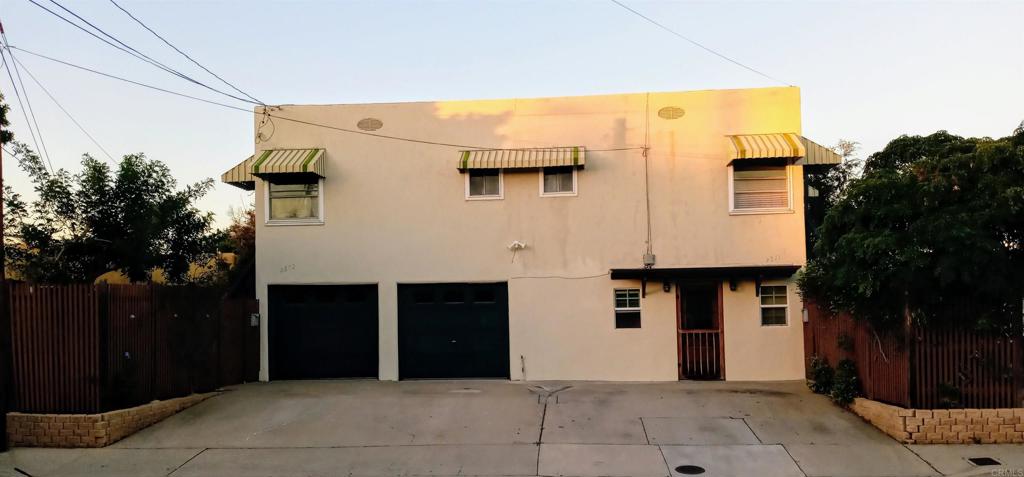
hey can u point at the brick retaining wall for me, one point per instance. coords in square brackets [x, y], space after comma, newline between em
[944, 426]
[91, 430]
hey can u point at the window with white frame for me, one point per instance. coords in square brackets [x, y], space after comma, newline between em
[294, 200]
[483, 184]
[627, 308]
[759, 187]
[555, 181]
[774, 305]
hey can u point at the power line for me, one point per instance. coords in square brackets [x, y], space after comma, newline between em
[11, 47]
[133, 17]
[28, 101]
[130, 50]
[66, 113]
[24, 111]
[299, 121]
[696, 43]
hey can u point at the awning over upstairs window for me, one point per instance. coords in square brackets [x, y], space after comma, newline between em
[289, 161]
[241, 175]
[531, 158]
[818, 155]
[766, 146]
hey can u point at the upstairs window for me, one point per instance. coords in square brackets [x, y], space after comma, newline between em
[295, 199]
[627, 308]
[555, 181]
[774, 304]
[759, 188]
[483, 184]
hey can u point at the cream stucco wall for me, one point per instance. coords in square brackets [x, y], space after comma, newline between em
[395, 212]
[761, 353]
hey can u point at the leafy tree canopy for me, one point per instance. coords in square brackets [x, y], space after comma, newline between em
[6, 136]
[131, 217]
[934, 223]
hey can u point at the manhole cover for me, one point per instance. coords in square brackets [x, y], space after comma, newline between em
[690, 469]
[983, 461]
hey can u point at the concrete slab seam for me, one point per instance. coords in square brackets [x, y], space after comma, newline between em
[187, 461]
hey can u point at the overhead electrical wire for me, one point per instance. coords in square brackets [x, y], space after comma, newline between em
[133, 17]
[283, 118]
[66, 113]
[11, 47]
[24, 111]
[130, 50]
[698, 44]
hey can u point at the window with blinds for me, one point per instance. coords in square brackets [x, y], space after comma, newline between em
[759, 187]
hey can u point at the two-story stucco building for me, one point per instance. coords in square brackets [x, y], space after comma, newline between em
[620, 237]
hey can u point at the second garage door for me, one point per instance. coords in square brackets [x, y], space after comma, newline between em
[453, 330]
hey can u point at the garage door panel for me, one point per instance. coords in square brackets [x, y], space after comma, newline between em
[453, 330]
[323, 331]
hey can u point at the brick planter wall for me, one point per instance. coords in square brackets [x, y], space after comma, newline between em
[944, 426]
[91, 430]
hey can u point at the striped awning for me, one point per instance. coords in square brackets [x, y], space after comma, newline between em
[241, 175]
[818, 155]
[522, 158]
[764, 146]
[289, 161]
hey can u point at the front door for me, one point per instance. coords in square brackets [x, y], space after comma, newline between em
[699, 308]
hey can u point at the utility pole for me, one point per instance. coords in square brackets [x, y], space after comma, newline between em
[5, 322]
[6, 353]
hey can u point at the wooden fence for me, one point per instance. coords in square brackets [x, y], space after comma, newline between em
[934, 367]
[93, 348]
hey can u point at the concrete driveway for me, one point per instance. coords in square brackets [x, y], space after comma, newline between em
[371, 428]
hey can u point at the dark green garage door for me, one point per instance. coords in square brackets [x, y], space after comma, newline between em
[323, 331]
[453, 330]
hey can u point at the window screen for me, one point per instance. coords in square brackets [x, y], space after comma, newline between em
[558, 180]
[484, 183]
[627, 308]
[760, 187]
[295, 199]
[774, 301]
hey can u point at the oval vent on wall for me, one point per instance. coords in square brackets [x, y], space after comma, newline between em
[370, 124]
[671, 112]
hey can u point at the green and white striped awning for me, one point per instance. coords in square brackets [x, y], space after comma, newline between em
[531, 158]
[289, 161]
[241, 175]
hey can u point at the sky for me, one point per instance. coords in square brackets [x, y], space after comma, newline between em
[868, 71]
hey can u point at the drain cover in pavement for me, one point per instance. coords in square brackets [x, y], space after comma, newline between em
[690, 469]
[983, 461]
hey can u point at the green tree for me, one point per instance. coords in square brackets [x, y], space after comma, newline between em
[829, 182]
[934, 222]
[5, 135]
[131, 217]
[239, 238]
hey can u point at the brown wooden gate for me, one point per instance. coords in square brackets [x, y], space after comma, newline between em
[699, 327]
[92, 348]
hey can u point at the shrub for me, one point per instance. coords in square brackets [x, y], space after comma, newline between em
[821, 375]
[845, 385]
